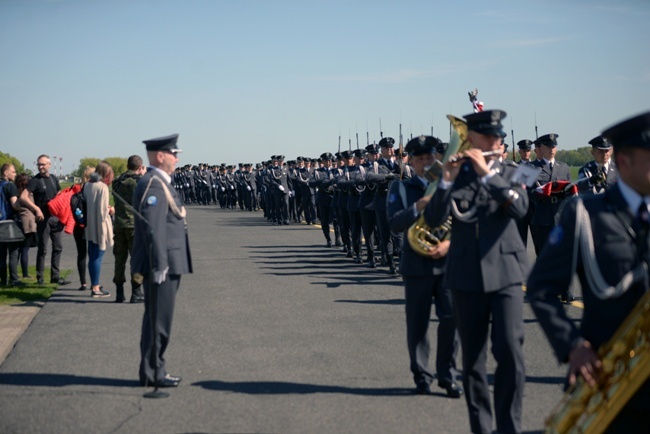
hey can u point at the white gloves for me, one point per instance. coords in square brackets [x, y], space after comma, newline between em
[223, 189]
[281, 188]
[248, 187]
[160, 276]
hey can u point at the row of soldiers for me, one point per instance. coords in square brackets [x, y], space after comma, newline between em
[348, 192]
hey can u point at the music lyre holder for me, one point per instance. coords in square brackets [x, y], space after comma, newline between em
[155, 393]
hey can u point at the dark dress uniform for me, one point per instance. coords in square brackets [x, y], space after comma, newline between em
[546, 208]
[423, 283]
[170, 251]
[367, 208]
[386, 171]
[321, 179]
[620, 244]
[486, 267]
[347, 182]
[280, 186]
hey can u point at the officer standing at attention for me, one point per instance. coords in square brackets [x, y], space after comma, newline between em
[601, 170]
[487, 265]
[616, 222]
[280, 186]
[525, 149]
[123, 229]
[160, 204]
[423, 278]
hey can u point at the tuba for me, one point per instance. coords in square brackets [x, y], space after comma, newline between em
[420, 236]
[626, 367]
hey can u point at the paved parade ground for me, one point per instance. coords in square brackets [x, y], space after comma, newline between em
[273, 333]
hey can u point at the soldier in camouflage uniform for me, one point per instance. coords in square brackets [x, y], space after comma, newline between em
[124, 225]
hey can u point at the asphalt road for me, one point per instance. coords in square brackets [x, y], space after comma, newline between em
[273, 333]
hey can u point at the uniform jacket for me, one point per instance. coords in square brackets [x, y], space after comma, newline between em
[279, 176]
[171, 246]
[321, 179]
[347, 182]
[383, 174]
[592, 168]
[486, 254]
[401, 215]
[546, 208]
[367, 196]
[125, 187]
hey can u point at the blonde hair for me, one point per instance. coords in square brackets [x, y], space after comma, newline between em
[86, 174]
[105, 171]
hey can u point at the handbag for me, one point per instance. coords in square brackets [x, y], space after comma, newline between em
[10, 232]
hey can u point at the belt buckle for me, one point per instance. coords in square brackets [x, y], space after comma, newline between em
[553, 199]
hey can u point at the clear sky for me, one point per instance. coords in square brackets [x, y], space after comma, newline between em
[242, 80]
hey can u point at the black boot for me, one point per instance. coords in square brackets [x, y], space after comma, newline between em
[136, 294]
[119, 293]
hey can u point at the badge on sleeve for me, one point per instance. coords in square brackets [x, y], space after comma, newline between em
[556, 235]
[152, 200]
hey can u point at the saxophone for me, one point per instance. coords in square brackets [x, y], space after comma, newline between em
[626, 367]
[420, 235]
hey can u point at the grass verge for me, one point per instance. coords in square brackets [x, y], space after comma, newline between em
[31, 292]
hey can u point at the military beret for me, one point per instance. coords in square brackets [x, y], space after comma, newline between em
[549, 140]
[599, 142]
[166, 143]
[525, 144]
[487, 122]
[387, 142]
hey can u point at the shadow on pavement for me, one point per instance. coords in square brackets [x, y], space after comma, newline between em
[61, 380]
[284, 388]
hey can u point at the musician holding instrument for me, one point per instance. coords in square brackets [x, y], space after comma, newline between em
[604, 239]
[423, 277]
[601, 171]
[486, 267]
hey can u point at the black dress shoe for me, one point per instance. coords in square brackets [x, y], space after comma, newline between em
[372, 264]
[137, 299]
[392, 270]
[453, 389]
[423, 389]
[567, 298]
[167, 381]
[60, 282]
[329, 243]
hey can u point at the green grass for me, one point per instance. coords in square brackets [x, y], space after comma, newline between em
[31, 292]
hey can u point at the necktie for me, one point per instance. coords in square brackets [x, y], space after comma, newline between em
[550, 166]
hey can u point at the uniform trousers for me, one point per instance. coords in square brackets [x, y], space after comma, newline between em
[165, 301]
[419, 291]
[122, 248]
[385, 237]
[472, 313]
[368, 222]
[355, 230]
[325, 219]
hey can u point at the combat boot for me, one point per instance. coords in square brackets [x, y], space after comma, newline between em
[136, 294]
[119, 293]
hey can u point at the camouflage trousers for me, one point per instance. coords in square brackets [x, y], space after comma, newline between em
[122, 248]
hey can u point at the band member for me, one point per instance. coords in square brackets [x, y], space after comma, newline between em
[601, 171]
[423, 278]
[525, 150]
[486, 267]
[612, 232]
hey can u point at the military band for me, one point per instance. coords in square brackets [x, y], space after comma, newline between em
[365, 199]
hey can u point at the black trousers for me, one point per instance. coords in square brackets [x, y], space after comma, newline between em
[368, 222]
[344, 224]
[281, 206]
[419, 291]
[49, 229]
[9, 250]
[325, 219]
[472, 313]
[355, 230]
[165, 301]
[79, 234]
[385, 236]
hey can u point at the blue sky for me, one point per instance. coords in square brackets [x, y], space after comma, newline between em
[243, 80]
